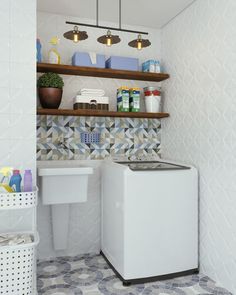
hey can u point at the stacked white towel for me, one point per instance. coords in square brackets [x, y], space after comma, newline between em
[93, 92]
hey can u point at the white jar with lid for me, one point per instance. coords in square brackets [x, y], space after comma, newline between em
[152, 99]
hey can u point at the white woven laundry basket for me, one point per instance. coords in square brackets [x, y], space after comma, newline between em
[18, 268]
[18, 262]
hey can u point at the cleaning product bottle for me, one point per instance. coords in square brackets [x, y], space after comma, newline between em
[28, 181]
[15, 181]
[39, 47]
[4, 184]
[53, 55]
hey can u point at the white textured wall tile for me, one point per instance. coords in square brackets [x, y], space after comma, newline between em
[22, 154]
[22, 126]
[4, 74]
[4, 49]
[5, 122]
[22, 101]
[22, 75]
[22, 50]
[4, 100]
[5, 145]
[22, 21]
[5, 20]
[199, 53]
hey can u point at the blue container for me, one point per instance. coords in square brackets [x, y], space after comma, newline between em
[39, 47]
[83, 59]
[15, 181]
[152, 66]
[123, 63]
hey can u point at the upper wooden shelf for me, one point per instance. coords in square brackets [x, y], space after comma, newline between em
[96, 113]
[98, 72]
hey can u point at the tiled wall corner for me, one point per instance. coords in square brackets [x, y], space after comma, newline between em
[199, 53]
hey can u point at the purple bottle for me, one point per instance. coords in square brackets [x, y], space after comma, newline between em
[28, 185]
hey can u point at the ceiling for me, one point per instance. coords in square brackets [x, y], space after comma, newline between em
[146, 13]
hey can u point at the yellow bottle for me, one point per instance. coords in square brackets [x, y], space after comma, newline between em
[53, 54]
[4, 184]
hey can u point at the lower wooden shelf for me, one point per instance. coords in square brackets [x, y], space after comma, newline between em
[98, 113]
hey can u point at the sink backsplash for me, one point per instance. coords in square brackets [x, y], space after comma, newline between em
[59, 137]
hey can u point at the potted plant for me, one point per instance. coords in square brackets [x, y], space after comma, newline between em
[50, 90]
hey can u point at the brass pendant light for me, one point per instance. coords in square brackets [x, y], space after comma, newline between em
[139, 43]
[76, 35]
[109, 39]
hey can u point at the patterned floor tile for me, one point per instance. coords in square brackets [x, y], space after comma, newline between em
[90, 275]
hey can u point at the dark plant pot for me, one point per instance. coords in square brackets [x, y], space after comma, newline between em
[50, 98]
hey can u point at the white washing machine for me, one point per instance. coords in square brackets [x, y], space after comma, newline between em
[149, 219]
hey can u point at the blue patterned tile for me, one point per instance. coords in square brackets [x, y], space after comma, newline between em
[130, 136]
[60, 289]
[83, 277]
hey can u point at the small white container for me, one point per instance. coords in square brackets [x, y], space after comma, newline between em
[153, 103]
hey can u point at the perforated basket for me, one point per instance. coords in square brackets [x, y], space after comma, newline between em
[18, 200]
[18, 268]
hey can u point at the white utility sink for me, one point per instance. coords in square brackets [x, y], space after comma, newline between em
[62, 183]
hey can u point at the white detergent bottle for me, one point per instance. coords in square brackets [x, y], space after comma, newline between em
[53, 54]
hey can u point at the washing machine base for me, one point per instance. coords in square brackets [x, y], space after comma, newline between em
[127, 283]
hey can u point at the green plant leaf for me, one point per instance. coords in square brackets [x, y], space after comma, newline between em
[50, 80]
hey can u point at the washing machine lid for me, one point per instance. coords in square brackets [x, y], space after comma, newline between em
[152, 166]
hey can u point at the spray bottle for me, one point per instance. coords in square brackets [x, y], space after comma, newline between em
[53, 54]
[4, 184]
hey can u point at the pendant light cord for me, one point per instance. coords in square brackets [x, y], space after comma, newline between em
[120, 14]
[106, 27]
[97, 12]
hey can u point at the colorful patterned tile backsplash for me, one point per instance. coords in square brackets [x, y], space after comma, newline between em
[59, 137]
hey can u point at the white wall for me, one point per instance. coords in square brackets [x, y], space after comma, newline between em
[199, 52]
[84, 232]
[17, 92]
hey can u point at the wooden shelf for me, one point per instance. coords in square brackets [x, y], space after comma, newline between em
[96, 113]
[98, 72]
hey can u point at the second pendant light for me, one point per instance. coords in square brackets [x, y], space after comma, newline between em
[109, 39]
